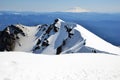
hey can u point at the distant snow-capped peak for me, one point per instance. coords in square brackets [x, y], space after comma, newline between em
[77, 9]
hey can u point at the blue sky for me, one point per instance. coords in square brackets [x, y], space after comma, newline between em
[60, 5]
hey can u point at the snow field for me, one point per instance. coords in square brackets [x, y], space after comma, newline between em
[27, 66]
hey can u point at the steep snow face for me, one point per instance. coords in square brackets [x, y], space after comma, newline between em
[60, 37]
[78, 39]
[92, 43]
[64, 39]
[96, 42]
[24, 66]
[26, 43]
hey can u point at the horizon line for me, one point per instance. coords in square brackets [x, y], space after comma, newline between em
[55, 12]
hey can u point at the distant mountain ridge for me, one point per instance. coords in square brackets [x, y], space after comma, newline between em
[57, 38]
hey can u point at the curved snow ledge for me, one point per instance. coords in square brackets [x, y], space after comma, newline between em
[96, 42]
[23, 66]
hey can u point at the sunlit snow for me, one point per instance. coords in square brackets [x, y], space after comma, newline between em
[28, 66]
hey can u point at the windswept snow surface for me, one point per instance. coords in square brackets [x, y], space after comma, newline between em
[27, 66]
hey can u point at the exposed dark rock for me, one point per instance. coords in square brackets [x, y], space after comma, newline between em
[69, 31]
[38, 42]
[44, 29]
[45, 43]
[64, 42]
[17, 37]
[59, 50]
[8, 37]
[37, 47]
[55, 21]
[52, 27]
[16, 30]
[7, 41]
[70, 35]
[94, 51]
[56, 29]
[84, 42]
[49, 29]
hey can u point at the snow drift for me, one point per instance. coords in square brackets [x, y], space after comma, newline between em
[57, 38]
[26, 66]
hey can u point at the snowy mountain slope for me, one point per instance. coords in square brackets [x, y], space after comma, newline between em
[24, 66]
[94, 41]
[28, 41]
[58, 37]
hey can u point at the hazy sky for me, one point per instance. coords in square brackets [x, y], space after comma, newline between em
[60, 5]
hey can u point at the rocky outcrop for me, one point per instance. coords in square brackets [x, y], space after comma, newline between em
[9, 36]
